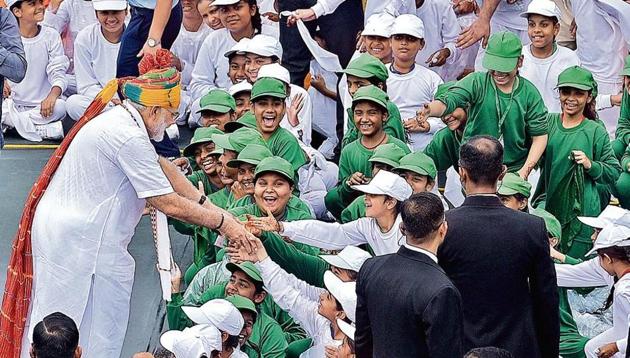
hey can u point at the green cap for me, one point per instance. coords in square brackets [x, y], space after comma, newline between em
[372, 94]
[247, 267]
[419, 163]
[239, 139]
[626, 67]
[277, 165]
[388, 154]
[551, 223]
[243, 303]
[252, 154]
[267, 86]
[444, 88]
[514, 184]
[201, 135]
[247, 120]
[503, 51]
[367, 66]
[217, 100]
[578, 77]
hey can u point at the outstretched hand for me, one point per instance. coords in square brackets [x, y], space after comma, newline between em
[234, 231]
[238, 253]
[265, 223]
[478, 30]
[301, 14]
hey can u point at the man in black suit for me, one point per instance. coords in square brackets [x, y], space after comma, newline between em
[406, 305]
[498, 259]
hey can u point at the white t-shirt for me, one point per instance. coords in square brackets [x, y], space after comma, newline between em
[211, 69]
[509, 12]
[543, 73]
[441, 30]
[335, 236]
[93, 56]
[410, 91]
[186, 47]
[46, 68]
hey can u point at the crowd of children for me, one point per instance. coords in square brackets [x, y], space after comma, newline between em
[317, 169]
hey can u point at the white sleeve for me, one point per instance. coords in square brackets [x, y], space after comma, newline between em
[87, 83]
[435, 123]
[585, 274]
[58, 20]
[328, 236]
[187, 69]
[203, 74]
[450, 33]
[325, 7]
[621, 308]
[138, 160]
[305, 116]
[282, 287]
[57, 63]
[602, 102]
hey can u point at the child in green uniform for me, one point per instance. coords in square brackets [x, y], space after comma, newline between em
[502, 104]
[216, 108]
[245, 164]
[514, 192]
[370, 115]
[622, 133]
[385, 157]
[363, 71]
[269, 106]
[578, 157]
[622, 187]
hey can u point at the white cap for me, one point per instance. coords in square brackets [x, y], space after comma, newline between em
[275, 70]
[542, 7]
[344, 292]
[240, 47]
[103, 5]
[219, 313]
[408, 24]
[350, 258]
[242, 86]
[224, 2]
[193, 342]
[611, 235]
[379, 24]
[610, 215]
[347, 328]
[264, 45]
[11, 3]
[386, 183]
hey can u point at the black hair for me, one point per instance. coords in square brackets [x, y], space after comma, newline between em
[590, 110]
[161, 352]
[56, 336]
[488, 352]
[422, 214]
[232, 341]
[615, 253]
[482, 157]
[378, 83]
[256, 19]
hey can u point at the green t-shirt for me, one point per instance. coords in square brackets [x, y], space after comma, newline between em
[222, 198]
[284, 144]
[354, 211]
[523, 113]
[393, 126]
[623, 126]
[444, 149]
[208, 188]
[567, 188]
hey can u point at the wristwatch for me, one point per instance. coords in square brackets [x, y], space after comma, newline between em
[152, 42]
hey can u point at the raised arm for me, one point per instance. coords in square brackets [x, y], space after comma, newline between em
[161, 14]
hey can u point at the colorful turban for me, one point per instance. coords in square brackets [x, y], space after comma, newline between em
[159, 88]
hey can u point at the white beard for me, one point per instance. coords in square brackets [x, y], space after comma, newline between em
[158, 136]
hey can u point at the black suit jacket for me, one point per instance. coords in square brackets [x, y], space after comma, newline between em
[407, 307]
[499, 260]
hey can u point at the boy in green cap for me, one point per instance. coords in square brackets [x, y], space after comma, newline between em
[385, 157]
[502, 104]
[215, 109]
[369, 106]
[363, 71]
[514, 192]
[273, 327]
[578, 159]
[245, 164]
[269, 107]
[246, 120]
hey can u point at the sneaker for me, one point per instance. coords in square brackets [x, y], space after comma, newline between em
[53, 131]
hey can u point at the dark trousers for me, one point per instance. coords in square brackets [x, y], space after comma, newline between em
[133, 39]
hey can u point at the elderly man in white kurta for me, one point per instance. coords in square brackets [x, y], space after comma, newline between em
[88, 214]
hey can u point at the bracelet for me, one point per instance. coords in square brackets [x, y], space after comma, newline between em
[221, 223]
[202, 199]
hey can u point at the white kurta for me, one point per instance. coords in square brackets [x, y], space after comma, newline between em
[82, 227]
[211, 69]
[591, 274]
[335, 236]
[409, 92]
[186, 47]
[543, 73]
[325, 117]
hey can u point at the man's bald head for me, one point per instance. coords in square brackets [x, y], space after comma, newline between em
[482, 158]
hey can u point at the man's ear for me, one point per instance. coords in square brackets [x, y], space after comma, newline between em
[402, 229]
[503, 172]
[78, 352]
[259, 297]
[31, 351]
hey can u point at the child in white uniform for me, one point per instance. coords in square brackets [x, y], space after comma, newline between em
[186, 47]
[613, 260]
[410, 86]
[95, 47]
[68, 18]
[34, 107]
[543, 59]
